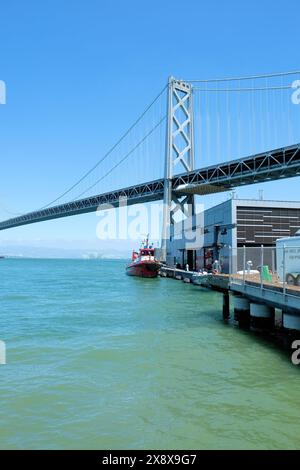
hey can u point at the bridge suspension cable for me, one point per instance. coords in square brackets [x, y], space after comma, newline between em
[240, 116]
[112, 149]
[287, 87]
[125, 157]
[250, 77]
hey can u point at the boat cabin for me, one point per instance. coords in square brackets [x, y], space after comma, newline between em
[147, 252]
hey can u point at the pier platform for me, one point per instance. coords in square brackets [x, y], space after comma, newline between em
[272, 294]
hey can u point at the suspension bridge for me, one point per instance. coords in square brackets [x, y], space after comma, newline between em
[197, 137]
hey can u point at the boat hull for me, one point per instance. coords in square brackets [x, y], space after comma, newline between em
[143, 269]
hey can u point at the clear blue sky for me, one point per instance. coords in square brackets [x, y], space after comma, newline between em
[78, 73]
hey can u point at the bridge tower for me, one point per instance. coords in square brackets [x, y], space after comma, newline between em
[179, 155]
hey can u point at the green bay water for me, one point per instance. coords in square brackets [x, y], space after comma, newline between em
[99, 360]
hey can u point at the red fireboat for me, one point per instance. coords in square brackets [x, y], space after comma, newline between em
[144, 263]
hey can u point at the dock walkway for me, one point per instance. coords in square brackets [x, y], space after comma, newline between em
[273, 294]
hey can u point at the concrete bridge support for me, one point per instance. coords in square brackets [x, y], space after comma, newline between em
[242, 311]
[226, 306]
[262, 317]
[291, 322]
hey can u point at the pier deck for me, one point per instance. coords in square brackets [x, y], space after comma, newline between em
[286, 298]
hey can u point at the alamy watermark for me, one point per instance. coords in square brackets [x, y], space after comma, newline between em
[2, 92]
[133, 222]
[296, 354]
[2, 353]
[296, 93]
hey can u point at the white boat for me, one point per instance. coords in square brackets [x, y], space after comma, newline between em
[201, 278]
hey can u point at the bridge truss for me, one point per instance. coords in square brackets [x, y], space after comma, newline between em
[264, 167]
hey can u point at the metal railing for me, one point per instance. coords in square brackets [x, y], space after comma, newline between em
[267, 268]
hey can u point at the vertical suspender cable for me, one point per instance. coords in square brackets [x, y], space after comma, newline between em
[207, 127]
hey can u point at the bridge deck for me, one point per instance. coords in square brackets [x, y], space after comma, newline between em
[272, 165]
